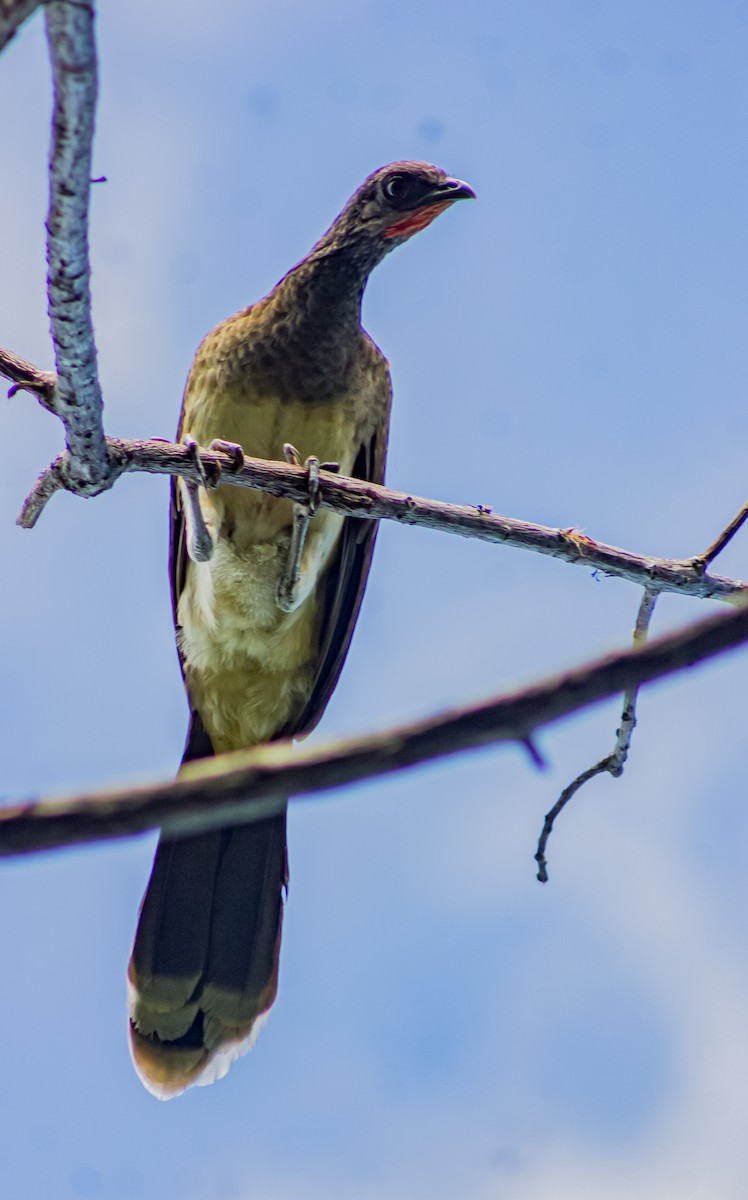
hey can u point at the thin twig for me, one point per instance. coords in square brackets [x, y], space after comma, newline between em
[550, 817]
[627, 726]
[246, 786]
[614, 762]
[354, 498]
[72, 51]
[701, 561]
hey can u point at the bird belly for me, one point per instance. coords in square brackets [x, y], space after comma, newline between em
[248, 665]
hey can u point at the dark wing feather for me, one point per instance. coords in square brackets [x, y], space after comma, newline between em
[198, 743]
[177, 556]
[344, 586]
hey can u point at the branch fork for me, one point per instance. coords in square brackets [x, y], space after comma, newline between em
[93, 462]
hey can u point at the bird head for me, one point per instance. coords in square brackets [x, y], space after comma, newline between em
[391, 205]
[398, 200]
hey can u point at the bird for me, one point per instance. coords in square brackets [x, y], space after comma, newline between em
[265, 598]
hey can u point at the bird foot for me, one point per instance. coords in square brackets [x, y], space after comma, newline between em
[233, 450]
[209, 473]
[200, 544]
[288, 595]
[312, 466]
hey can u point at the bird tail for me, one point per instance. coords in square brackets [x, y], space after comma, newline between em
[204, 965]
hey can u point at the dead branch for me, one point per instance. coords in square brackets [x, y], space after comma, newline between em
[728, 533]
[599, 768]
[627, 726]
[77, 399]
[614, 762]
[250, 785]
[355, 498]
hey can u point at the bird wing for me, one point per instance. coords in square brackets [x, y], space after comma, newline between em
[344, 584]
[178, 557]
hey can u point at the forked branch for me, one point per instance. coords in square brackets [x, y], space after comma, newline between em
[246, 786]
[614, 762]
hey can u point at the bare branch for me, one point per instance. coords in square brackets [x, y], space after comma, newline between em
[627, 726]
[70, 34]
[599, 768]
[354, 498]
[12, 14]
[246, 786]
[28, 378]
[614, 762]
[702, 561]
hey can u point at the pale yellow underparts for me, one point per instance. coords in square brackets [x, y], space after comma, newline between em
[248, 664]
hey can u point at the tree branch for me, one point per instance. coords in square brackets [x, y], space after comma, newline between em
[12, 14]
[728, 533]
[614, 762]
[246, 786]
[625, 730]
[355, 498]
[25, 377]
[77, 401]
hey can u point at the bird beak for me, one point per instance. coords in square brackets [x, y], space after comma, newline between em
[441, 196]
[449, 190]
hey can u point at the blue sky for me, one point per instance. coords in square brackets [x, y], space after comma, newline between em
[572, 350]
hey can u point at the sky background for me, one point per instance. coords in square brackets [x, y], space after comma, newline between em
[571, 350]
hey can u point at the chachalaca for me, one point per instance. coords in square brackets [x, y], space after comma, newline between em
[264, 607]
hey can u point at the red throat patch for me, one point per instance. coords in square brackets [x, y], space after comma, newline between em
[412, 222]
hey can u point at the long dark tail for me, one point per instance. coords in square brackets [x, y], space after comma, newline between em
[204, 966]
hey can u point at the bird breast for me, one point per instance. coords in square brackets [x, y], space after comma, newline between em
[249, 665]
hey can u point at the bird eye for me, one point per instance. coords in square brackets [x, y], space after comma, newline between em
[395, 187]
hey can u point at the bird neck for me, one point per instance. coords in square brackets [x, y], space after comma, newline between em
[328, 285]
[313, 316]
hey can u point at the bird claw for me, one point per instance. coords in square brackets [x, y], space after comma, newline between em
[312, 470]
[209, 473]
[200, 545]
[287, 595]
[233, 450]
[312, 467]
